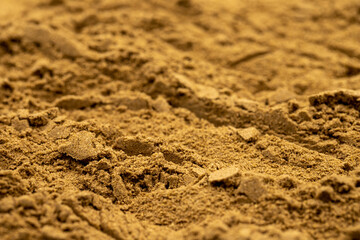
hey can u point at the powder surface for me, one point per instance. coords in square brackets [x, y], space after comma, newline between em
[181, 119]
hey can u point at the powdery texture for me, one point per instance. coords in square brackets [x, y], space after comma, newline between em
[181, 119]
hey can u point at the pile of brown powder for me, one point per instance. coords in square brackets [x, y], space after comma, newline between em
[181, 119]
